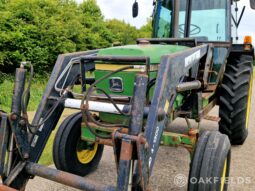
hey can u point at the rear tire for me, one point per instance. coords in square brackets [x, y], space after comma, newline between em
[235, 99]
[70, 153]
[211, 161]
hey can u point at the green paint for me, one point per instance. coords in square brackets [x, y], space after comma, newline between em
[186, 140]
[205, 102]
[155, 52]
[174, 139]
[87, 135]
[169, 140]
[128, 79]
[178, 101]
[118, 119]
[216, 68]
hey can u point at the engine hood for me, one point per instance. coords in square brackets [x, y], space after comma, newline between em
[153, 51]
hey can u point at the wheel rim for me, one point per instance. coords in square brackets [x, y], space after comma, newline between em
[84, 154]
[249, 103]
[223, 177]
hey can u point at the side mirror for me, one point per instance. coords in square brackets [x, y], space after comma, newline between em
[252, 2]
[135, 9]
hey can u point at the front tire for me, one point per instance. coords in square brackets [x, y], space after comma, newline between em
[235, 99]
[211, 161]
[70, 153]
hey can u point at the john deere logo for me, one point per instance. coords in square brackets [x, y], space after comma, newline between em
[116, 85]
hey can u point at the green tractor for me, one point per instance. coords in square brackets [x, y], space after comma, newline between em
[127, 98]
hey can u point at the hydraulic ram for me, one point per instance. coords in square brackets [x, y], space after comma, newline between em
[97, 106]
[105, 107]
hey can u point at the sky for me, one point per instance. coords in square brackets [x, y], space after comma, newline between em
[247, 26]
[122, 9]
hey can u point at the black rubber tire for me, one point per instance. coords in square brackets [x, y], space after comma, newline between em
[234, 98]
[211, 152]
[65, 148]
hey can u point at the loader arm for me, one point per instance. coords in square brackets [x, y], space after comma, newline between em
[172, 69]
[143, 147]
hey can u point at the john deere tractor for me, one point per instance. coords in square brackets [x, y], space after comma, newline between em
[127, 96]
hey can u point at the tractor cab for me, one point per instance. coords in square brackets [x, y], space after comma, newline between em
[208, 20]
[202, 18]
[205, 21]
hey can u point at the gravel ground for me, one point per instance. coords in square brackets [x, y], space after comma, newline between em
[173, 161]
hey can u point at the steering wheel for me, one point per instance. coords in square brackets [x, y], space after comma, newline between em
[194, 29]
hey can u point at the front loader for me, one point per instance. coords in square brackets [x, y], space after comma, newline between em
[127, 96]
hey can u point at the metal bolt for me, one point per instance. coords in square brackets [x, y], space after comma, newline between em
[26, 156]
[22, 122]
[144, 42]
[13, 117]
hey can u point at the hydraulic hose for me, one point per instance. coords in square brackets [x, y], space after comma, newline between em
[86, 100]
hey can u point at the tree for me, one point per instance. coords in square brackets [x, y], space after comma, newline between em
[122, 32]
[146, 30]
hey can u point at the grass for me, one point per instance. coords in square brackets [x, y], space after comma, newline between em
[6, 91]
[37, 89]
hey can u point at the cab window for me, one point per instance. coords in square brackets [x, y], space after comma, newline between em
[165, 18]
[209, 19]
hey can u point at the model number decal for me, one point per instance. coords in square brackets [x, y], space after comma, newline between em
[41, 127]
[34, 141]
[154, 144]
[192, 58]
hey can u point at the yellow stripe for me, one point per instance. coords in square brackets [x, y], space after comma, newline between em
[166, 106]
[113, 67]
[249, 103]
[223, 177]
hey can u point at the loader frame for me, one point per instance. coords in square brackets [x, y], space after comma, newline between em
[128, 146]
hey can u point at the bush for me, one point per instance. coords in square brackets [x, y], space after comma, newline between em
[6, 92]
[2, 77]
[40, 30]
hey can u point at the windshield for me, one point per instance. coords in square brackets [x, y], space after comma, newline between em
[208, 19]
